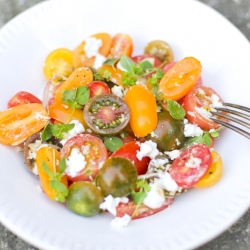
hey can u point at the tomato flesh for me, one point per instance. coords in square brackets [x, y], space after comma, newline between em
[191, 165]
[98, 88]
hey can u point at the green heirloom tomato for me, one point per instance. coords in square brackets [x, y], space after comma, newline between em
[117, 177]
[84, 198]
[169, 133]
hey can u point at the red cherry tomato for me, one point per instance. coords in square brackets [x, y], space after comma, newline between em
[141, 210]
[23, 97]
[197, 100]
[152, 59]
[98, 88]
[94, 152]
[122, 44]
[129, 151]
[191, 165]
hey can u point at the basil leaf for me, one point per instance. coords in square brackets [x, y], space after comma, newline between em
[159, 73]
[62, 166]
[46, 134]
[58, 130]
[215, 134]
[82, 95]
[146, 65]
[68, 95]
[127, 63]
[46, 169]
[176, 110]
[112, 143]
[111, 61]
[207, 139]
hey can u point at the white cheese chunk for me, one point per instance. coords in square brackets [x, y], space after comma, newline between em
[155, 197]
[191, 130]
[193, 162]
[118, 91]
[92, 46]
[173, 154]
[147, 148]
[119, 222]
[166, 182]
[99, 60]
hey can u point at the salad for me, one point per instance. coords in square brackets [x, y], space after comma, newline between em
[117, 132]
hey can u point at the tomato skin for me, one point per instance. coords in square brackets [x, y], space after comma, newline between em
[98, 88]
[23, 97]
[213, 174]
[199, 97]
[20, 122]
[84, 198]
[142, 105]
[129, 151]
[180, 79]
[60, 61]
[140, 58]
[96, 154]
[116, 74]
[122, 44]
[141, 211]
[186, 176]
[50, 156]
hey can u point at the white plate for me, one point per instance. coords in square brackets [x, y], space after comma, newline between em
[192, 29]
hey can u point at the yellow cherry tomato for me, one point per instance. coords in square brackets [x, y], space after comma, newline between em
[143, 114]
[214, 172]
[60, 61]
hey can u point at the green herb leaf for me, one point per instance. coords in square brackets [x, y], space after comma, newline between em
[215, 134]
[146, 65]
[46, 134]
[202, 139]
[102, 75]
[123, 134]
[46, 169]
[111, 61]
[127, 63]
[159, 73]
[62, 166]
[129, 79]
[82, 95]
[176, 110]
[68, 95]
[112, 143]
[139, 196]
[58, 130]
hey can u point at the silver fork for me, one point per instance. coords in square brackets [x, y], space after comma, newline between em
[233, 112]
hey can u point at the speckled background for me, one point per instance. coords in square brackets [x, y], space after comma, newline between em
[237, 237]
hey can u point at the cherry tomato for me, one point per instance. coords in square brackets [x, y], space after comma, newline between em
[161, 50]
[63, 113]
[213, 174]
[142, 105]
[106, 114]
[151, 58]
[117, 177]
[129, 151]
[93, 151]
[180, 79]
[197, 104]
[192, 164]
[104, 49]
[23, 97]
[141, 211]
[60, 61]
[20, 122]
[115, 74]
[122, 44]
[79, 77]
[51, 157]
[84, 198]
[98, 88]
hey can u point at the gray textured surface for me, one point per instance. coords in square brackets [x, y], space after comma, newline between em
[236, 237]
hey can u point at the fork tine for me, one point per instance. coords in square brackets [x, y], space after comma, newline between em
[236, 106]
[230, 126]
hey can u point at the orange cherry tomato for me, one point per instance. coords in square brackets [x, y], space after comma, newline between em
[116, 74]
[50, 156]
[79, 77]
[20, 122]
[181, 78]
[64, 114]
[104, 49]
[60, 61]
[143, 114]
[213, 174]
[122, 44]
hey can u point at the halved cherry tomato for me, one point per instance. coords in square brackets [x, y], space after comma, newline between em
[104, 49]
[20, 122]
[64, 114]
[122, 44]
[51, 157]
[152, 59]
[60, 61]
[115, 74]
[192, 164]
[141, 211]
[98, 88]
[161, 50]
[79, 77]
[129, 151]
[180, 79]
[23, 97]
[93, 151]
[213, 174]
[142, 105]
[197, 104]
